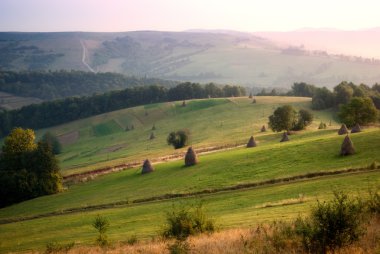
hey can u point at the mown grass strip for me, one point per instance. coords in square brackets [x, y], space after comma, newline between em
[204, 192]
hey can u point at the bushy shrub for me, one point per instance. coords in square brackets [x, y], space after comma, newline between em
[331, 225]
[184, 221]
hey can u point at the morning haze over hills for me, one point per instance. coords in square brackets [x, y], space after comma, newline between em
[188, 127]
[260, 59]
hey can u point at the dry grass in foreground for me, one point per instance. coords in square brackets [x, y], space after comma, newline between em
[260, 240]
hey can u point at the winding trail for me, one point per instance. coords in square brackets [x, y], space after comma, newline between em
[84, 57]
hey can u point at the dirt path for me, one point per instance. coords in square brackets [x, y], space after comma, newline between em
[84, 57]
[89, 175]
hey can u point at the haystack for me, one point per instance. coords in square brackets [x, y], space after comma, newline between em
[184, 104]
[263, 129]
[347, 147]
[284, 137]
[250, 96]
[190, 157]
[322, 125]
[251, 142]
[343, 130]
[356, 128]
[153, 127]
[152, 136]
[147, 167]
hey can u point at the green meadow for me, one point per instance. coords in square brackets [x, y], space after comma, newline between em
[103, 141]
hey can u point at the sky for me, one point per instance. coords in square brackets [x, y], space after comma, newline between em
[179, 15]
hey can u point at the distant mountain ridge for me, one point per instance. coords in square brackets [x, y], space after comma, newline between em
[251, 59]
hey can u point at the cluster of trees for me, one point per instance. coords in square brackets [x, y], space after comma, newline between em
[287, 118]
[27, 169]
[56, 112]
[342, 94]
[49, 85]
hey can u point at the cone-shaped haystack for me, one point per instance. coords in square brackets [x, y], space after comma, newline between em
[152, 136]
[343, 130]
[184, 104]
[356, 128]
[347, 147]
[251, 142]
[190, 157]
[263, 129]
[147, 167]
[284, 137]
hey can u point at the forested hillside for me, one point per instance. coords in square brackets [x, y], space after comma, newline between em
[48, 85]
[56, 112]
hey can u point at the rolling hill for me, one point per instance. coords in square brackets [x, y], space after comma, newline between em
[102, 141]
[239, 187]
[199, 56]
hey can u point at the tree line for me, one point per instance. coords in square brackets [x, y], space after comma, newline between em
[49, 85]
[323, 98]
[56, 112]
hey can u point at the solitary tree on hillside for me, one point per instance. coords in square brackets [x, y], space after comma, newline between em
[283, 118]
[178, 139]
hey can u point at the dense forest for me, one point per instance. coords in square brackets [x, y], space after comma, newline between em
[56, 112]
[49, 85]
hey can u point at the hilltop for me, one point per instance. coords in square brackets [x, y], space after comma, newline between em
[198, 56]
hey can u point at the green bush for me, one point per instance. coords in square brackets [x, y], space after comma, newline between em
[185, 221]
[331, 225]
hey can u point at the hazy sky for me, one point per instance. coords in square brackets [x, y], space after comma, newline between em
[178, 15]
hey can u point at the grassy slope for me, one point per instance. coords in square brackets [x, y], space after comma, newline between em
[211, 122]
[230, 209]
[307, 152]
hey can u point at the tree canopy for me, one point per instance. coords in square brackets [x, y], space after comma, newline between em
[283, 118]
[27, 170]
[358, 111]
[287, 118]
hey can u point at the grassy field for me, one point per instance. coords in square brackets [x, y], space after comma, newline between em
[311, 151]
[307, 152]
[102, 140]
[230, 209]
